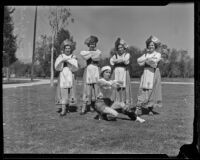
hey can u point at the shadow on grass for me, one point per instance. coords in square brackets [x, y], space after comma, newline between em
[145, 111]
[73, 108]
[122, 118]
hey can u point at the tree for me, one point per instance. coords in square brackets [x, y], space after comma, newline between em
[62, 35]
[43, 55]
[104, 62]
[134, 69]
[9, 39]
[20, 68]
[59, 17]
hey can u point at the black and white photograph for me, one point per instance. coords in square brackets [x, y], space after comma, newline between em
[98, 79]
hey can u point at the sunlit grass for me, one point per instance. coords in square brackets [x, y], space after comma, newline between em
[32, 125]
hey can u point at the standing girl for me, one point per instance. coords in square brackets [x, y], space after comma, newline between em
[120, 62]
[91, 73]
[66, 64]
[150, 94]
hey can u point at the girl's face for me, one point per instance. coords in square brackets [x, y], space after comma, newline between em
[92, 46]
[151, 47]
[67, 50]
[120, 49]
[106, 74]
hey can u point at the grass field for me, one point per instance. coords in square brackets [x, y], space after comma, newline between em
[31, 125]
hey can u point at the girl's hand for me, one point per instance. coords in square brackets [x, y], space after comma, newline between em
[120, 60]
[117, 84]
[114, 60]
[120, 82]
[66, 58]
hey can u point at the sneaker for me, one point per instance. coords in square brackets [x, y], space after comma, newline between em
[59, 110]
[97, 117]
[140, 120]
[151, 113]
[83, 112]
[63, 114]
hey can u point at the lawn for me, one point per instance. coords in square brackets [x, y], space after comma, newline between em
[31, 125]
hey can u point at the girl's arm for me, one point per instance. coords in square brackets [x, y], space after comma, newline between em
[73, 64]
[153, 61]
[59, 63]
[116, 84]
[96, 56]
[141, 60]
[113, 60]
[85, 54]
[126, 58]
[103, 82]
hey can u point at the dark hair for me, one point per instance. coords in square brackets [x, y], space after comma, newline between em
[117, 43]
[101, 74]
[91, 39]
[72, 47]
[155, 44]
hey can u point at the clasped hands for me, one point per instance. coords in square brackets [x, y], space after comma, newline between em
[118, 60]
[117, 84]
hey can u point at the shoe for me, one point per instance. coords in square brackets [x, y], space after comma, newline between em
[97, 117]
[140, 120]
[59, 110]
[92, 109]
[82, 113]
[63, 114]
[63, 110]
[151, 113]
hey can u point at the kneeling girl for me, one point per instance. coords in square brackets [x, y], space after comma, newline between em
[104, 105]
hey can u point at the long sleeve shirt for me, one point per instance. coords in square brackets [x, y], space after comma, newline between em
[92, 70]
[120, 61]
[106, 87]
[150, 62]
[66, 65]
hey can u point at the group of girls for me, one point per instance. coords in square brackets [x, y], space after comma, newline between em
[106, 93]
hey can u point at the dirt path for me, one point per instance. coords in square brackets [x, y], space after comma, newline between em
[47, 81]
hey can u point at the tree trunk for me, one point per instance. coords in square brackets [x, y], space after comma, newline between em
[8, 73]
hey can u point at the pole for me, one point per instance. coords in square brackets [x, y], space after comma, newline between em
[52, 71]
[34, 33]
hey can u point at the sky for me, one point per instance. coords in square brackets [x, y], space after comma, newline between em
[173, 25]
